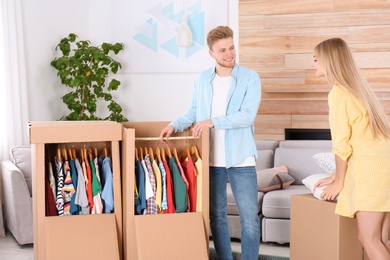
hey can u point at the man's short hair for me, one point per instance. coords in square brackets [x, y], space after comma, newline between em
[218, 33]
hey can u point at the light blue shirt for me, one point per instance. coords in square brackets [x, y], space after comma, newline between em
[243, 102]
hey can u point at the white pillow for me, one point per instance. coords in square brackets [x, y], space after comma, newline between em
[311, 180]
[326, 161]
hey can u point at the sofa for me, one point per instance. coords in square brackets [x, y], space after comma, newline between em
[17, 194]
[274, 205]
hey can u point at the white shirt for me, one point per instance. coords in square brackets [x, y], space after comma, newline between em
[218, 108]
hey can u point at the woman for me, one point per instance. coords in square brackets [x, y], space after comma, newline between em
[361, 144]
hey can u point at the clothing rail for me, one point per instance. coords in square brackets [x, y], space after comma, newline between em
[165, 138]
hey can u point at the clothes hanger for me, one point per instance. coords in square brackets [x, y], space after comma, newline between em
[96, 152]
[169, 152]
[141, 153]
[158, 154]
[174, 151]
[70, 154]
[151, 154]
[85, 159]
[136, 154]
[85, 156]
[163, 158]
[90, 154]
[194, 152]
[64, 154]
[59, 159]
[74, 153]
[186, 153]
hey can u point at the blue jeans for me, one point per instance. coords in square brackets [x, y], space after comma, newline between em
[243, 181]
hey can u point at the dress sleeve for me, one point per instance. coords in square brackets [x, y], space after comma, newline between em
[339, 121]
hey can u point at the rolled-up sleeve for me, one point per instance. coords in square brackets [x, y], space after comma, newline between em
[339, 121]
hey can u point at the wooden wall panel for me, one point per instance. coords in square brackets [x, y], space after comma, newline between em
[284, 7]
[349, 5]
[320, 20]
[277, 38]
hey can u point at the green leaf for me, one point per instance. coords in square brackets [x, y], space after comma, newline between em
[114, 84]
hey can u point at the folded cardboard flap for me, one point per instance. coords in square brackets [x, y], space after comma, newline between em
[186, 230]
[81, 237]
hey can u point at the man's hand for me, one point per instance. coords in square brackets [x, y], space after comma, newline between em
[166, 133]
[197, 128]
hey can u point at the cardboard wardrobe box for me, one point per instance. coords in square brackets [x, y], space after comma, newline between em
[163, 236]
[81, 237]
[318, 233]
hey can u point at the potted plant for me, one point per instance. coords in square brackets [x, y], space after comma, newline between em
[85, 70]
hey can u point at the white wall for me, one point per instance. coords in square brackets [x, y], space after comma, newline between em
[143, 97]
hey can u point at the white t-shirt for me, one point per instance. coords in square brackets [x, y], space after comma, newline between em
[218, 108]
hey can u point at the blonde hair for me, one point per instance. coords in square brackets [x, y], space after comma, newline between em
[218, 33]
[339, 66]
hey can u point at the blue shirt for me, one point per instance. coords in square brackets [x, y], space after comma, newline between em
[244, 98]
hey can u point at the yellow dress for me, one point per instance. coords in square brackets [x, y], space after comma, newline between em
[367, 180]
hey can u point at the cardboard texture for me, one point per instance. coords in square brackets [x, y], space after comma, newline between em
[318, 233]
[78, 237]
[171, 236]
[162, 236]
[55, 232]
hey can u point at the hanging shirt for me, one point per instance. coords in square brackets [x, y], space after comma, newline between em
[179, 187]
[140, 178]
[60, 185]
[199, 180]
[96, 189]
[52, 181]
[170, 197]
[148, 186]
[107, 185]
[81, 194]
[164, 203]
[184, 178]
[157, 174]
[50, 206]
[74, 208]
[151, 207]
[68, 188]
[189, 170]
[88, 185]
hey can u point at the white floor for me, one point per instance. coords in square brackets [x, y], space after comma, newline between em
[11, 250]
[265, 248]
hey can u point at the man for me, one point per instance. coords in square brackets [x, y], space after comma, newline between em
[226, 99]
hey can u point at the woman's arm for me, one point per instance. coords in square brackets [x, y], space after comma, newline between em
[331, 192]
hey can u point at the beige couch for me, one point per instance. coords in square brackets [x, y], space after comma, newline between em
[17, 200]
[274, 206]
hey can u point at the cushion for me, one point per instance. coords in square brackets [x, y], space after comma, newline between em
[21, 157]
[311, 180]
[326, 161]
[276, 204]
[273, 179]
[299, 161]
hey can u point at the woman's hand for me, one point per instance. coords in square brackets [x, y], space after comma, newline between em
[331, 192]
[324, 181]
